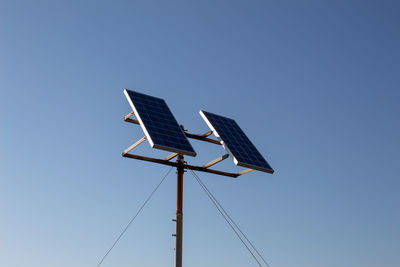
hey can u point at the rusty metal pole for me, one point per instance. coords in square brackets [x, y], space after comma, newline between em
[179, 214]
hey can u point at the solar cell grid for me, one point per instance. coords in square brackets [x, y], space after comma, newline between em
[235, 141]
[158, 123]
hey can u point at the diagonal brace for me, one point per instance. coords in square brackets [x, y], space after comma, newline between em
[134, 145]
[171, 156]
[215, 161]
[128, 118]
[244, 171]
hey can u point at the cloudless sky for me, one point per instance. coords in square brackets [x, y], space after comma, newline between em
[314, 84]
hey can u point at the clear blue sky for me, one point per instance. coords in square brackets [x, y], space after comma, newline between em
[315, 84]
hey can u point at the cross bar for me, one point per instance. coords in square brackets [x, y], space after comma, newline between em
[201, 137]
[174, 164]
[160, 161]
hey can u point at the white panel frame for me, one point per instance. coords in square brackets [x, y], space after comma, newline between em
[238, 163]
[151, 142]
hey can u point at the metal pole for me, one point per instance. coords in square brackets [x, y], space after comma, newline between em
[179, 214]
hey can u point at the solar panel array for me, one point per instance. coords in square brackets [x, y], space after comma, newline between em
[235, 142]
[158, 123]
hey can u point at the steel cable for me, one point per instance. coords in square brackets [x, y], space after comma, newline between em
[229, 220]
[134, 217]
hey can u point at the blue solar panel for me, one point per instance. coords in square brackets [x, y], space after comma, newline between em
[158, 123]
[235, 142]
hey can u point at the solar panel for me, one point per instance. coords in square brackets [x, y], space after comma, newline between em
[235, 142]
[158, 123]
